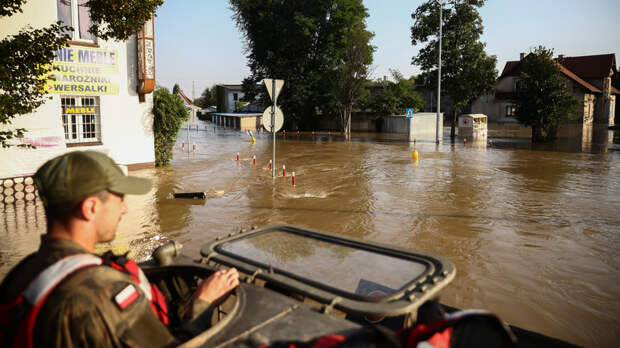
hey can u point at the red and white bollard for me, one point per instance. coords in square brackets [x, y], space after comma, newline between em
[183, 145]
[237, 156]
[270, 165]
[254, 159]
[283, 170]
[293, 178]
[297, 133]
[465, 141]
[194, 147]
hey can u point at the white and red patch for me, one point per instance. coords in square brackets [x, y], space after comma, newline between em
[126, 297]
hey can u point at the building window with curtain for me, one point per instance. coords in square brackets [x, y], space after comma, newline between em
[81, 120]
[76, 14]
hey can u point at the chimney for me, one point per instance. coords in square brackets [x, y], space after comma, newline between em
[522, 55]
[561, 56]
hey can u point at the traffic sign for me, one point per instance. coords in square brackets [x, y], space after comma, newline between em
[410, 113]
[279, 116]
[278, 87]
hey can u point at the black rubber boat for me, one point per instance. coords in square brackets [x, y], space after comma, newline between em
[299, 285]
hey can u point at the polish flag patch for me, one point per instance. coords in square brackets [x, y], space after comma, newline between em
[126, 297]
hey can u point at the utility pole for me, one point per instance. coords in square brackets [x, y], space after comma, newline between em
[439, 75]
[273, 125]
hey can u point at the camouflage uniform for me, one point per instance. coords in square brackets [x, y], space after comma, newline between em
[81, 311]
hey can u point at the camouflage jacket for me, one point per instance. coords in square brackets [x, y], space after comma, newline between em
[81, 311]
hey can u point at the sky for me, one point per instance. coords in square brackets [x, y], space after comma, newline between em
[197, 43]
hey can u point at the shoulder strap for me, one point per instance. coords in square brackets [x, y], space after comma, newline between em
[54, 274]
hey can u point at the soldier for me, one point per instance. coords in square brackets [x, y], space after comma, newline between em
[65, 296]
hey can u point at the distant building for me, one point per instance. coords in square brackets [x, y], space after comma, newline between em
[99, 101]
[227, 96]
[192, 109]
[588, 78]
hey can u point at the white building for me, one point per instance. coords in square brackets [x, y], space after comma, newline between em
[227, 96]
[94, 101]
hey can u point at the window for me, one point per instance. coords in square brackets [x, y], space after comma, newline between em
[517, 84]
[235, 96]
[510, 110]
[72, 12]
[81, 119]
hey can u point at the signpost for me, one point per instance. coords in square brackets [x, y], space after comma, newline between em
[275, 122]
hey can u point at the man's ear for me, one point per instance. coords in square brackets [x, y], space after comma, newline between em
[88, 208]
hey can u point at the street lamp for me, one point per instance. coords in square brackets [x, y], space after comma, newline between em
[439, 75]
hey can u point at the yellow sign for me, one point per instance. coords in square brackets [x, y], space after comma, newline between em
[79, 110]
[84, 71]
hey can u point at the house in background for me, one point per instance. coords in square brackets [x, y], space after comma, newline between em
[192, 109]
[588, 78]
[227, 96]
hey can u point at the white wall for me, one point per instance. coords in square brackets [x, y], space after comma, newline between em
[231, 101]
[126, 124]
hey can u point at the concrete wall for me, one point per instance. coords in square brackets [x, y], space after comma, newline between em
[422, 126]
[126, 124]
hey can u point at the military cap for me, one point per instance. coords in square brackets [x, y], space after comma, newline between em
[76, 175]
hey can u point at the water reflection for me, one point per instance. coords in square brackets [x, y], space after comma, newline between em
[531, 229]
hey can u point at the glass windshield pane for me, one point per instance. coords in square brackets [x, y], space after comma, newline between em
[352, 270]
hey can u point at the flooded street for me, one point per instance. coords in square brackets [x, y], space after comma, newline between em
[534, 234]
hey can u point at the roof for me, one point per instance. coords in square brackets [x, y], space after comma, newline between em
[232, 87]
[577, 69]
[577, 79]
[509, 69]
[187, 100]
[591, 67]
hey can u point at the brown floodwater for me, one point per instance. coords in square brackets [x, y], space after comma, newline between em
[533, 231]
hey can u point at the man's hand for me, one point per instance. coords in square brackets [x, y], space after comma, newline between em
[217, 285]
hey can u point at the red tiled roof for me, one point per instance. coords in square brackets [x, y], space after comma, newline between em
[577, 79]
[591, 67]
[189, 101]
[510, 69]
[577, 69]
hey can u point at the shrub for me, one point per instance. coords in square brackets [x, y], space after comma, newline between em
[169, 113]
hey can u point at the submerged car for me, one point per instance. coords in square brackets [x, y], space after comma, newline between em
[302, 287]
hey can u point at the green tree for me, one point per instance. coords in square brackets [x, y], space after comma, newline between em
[207, 98]
[352, 72]
[396, 96]
[26, 56]
[120, 19]
[466, 70]
[301, 42]
[176, 89]
[169, 113]
[542, 98]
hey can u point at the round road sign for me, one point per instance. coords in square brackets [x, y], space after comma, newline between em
[279, 119]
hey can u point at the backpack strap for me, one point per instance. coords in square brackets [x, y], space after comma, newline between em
[47, 280]
[41, 287]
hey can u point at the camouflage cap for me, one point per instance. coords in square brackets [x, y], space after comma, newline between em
[74, 176]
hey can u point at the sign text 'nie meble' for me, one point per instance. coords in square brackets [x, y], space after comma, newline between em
[84, 71]
[85, 56]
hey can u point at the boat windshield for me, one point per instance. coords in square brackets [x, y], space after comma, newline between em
[353, 270]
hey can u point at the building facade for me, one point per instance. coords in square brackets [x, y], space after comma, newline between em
[227, 96]
[588, 78]
[94, 102]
